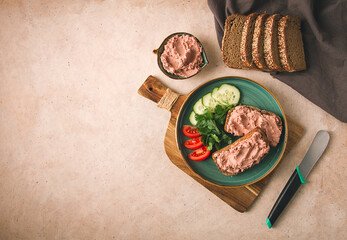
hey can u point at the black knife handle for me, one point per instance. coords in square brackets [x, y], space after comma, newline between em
[287, 193]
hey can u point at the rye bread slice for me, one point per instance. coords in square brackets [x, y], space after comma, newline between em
[231, 41]
[234, 144]
[271, 53]
[279, 124]
[258, 42]
[246, 41]
[290, 44]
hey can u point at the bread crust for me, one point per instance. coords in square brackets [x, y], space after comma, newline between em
[248, 135]
[246, 35]
[257, 35]
[270, 34]
[282, 45]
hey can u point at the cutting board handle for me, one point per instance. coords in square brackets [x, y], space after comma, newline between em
[152, 89]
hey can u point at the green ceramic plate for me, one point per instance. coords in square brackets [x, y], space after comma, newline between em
[252, 94]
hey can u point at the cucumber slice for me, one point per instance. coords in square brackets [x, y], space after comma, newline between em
[214, 93]
[210, 102]
[192, 118]
[227, 94]
[199, 107]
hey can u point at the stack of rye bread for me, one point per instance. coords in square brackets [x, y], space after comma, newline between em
[263, 42]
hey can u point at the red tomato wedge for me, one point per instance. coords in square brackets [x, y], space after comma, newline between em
[199, 154]
[190, 131]
[193, 143]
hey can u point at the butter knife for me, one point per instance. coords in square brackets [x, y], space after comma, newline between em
[319, 144]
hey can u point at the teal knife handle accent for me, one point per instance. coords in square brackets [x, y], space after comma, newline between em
[286, 195]
[302, 179]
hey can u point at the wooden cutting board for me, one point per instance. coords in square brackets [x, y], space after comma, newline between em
[239, 198]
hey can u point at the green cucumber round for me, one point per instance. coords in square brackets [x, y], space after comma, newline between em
[228, 94]
[209, 102]
[198, 107]
[192, 119]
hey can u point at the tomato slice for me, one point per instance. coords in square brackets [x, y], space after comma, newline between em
[199, 154]
[193, 143]
[190, 131]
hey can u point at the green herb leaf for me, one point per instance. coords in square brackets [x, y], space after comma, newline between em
[211, 126]
[214, 136]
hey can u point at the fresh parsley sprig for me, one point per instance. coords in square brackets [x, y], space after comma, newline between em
[211, 127]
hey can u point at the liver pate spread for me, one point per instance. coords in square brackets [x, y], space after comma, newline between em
[243, 119]
[182, 56]
[243, 154]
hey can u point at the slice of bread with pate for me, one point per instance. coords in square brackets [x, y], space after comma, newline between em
[232, 39]
[271, 52]
[246, 41]
[291, 48]
[243, 119]
[258, 43]
[243, 153]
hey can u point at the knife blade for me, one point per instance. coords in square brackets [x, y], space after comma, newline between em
[317, 148]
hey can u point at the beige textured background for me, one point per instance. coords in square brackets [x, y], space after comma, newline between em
[82, 155]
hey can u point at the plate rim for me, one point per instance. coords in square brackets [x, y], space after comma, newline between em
[241, 185]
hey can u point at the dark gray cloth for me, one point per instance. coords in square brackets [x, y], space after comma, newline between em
[324, 29]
